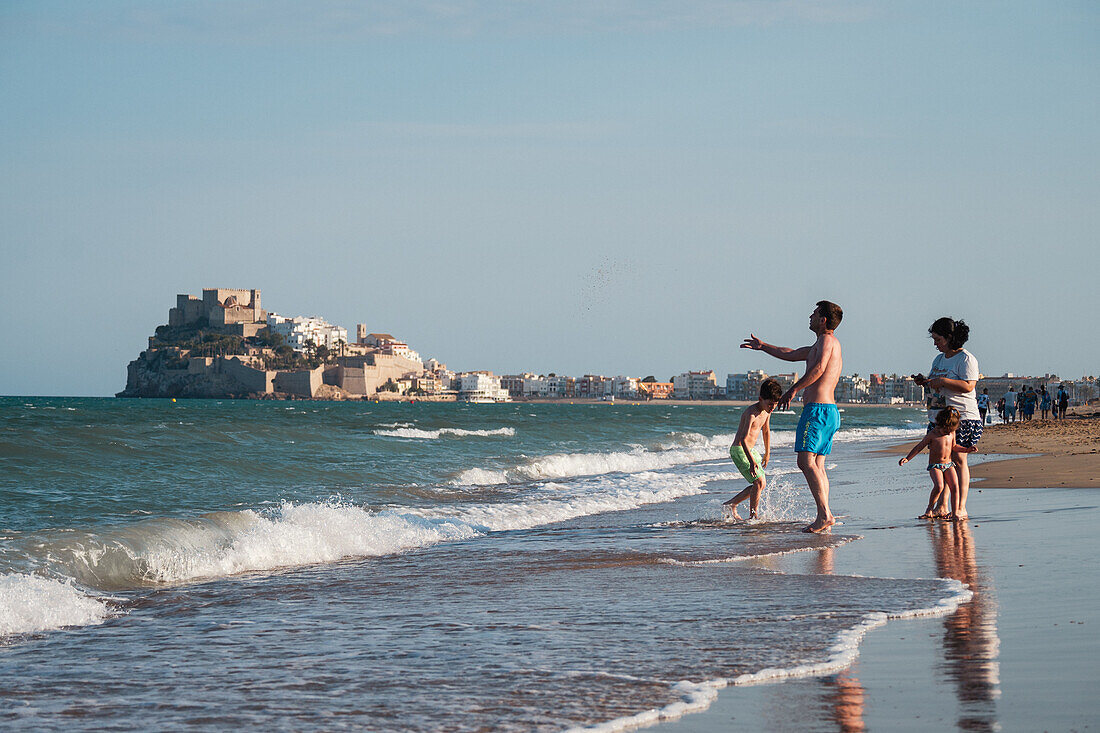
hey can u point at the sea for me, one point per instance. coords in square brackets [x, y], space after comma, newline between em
[421, 566]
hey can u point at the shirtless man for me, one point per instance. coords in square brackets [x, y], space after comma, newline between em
[820, 418]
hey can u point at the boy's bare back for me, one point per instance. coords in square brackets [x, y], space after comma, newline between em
[752, 422]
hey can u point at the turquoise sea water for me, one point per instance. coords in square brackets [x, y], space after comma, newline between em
[397, 566]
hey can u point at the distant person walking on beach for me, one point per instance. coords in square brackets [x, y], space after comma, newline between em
[1010, 405]
[1063, 401]
[1044, 401]
[755, 421]
[951, 380]
[1001, 409]
[1028, 400]
[983, 404]
[820, 417]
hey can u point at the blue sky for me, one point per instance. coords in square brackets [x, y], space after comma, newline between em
[609, 187]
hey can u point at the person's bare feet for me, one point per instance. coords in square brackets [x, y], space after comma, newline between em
[941, 514]
[820, 525]
[927, 515]
[960, 517]
[732, 509]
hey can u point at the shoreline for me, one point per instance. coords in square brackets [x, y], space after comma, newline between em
[1004, 657]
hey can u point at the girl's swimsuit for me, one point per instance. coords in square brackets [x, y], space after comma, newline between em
[940, 466]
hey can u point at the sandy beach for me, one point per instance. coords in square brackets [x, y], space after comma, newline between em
[1068, 453]
[1057, 453]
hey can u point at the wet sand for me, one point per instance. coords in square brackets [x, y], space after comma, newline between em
[1008, 659]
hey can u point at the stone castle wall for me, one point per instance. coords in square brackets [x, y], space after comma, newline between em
[301, 383]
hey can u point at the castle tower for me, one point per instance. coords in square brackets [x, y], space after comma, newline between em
[360, 332]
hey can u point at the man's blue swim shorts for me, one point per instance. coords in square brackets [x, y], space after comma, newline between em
[816, 427]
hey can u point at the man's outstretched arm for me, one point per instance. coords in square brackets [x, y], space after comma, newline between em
[779, 352]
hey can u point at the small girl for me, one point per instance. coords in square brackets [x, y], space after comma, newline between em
[940, 441]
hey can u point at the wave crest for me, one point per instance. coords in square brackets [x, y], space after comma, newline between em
[409, 432]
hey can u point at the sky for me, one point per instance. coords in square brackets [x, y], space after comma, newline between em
[576, 187]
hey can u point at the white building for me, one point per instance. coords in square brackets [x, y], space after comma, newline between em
[533, 386]
[558, 386]
[852, 388]
[400, 348]
[301, 332]
[626, 387]
[481, 387]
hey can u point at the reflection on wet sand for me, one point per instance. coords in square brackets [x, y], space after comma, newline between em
[844, 694]
[971, 645]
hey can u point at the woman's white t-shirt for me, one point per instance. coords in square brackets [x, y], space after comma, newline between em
[962, 366]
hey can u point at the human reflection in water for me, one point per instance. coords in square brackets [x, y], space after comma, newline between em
[971, 645]
[844, 695]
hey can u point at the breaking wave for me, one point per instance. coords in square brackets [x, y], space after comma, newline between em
[408, 432]
[167, 551]
[676, 450]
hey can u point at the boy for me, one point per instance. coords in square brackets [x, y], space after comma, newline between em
[754, 421]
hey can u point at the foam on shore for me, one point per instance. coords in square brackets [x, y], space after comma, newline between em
[698, 696]
[30, 603]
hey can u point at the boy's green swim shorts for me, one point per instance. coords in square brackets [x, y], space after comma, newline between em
[737, 453]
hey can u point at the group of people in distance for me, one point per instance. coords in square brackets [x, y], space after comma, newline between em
[1027, 400]
[954, 421]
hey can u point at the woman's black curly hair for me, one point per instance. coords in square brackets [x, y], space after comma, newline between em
[956, 332]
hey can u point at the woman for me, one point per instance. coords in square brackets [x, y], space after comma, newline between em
[951, 383]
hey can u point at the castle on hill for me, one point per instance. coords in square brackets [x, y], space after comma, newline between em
[225, 344]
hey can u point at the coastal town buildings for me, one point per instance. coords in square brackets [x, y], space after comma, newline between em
[655, 390]
[303, 333]
[744, 386]
[701, 385]
[481, 386]
[1080, 391]
[221, 344]
[625, 387]
[883, 389]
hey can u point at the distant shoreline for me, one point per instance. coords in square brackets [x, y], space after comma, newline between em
[689, 403]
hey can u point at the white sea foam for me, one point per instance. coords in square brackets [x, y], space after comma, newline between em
[611, 496]
[697, 696]
[681, 449]
[742, 558]
[169, 551]
[676, 450]
[30, 603]
[166, 551]
[405, 432]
